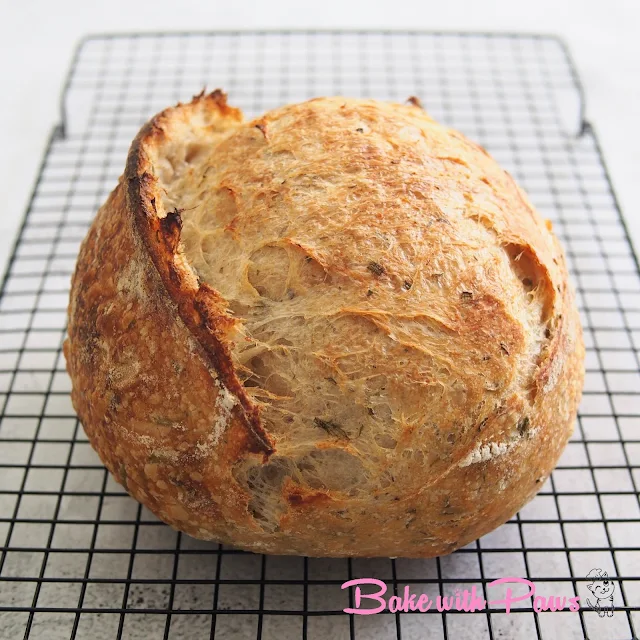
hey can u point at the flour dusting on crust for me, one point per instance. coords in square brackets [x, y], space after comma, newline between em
[492, 450]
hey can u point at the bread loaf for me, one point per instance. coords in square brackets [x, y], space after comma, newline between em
[340, 329]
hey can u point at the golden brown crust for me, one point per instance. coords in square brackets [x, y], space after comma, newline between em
[464, 277]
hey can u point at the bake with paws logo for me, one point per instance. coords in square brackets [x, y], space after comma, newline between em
[602, 589]
[377, 597]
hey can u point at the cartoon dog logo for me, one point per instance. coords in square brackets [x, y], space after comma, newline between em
[602, 589]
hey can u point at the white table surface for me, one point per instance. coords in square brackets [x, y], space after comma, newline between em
[38, 39]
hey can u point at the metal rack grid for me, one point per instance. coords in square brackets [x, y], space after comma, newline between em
[79, 559]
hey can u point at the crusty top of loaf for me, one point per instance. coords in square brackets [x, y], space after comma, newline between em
[370, 285]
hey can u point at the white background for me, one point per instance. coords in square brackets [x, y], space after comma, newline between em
[37, 39]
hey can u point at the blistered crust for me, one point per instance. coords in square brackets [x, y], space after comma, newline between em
[430, 297]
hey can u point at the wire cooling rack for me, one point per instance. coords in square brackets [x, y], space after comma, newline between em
[80, 559]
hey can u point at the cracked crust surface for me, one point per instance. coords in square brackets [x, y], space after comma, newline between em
[340, 329]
